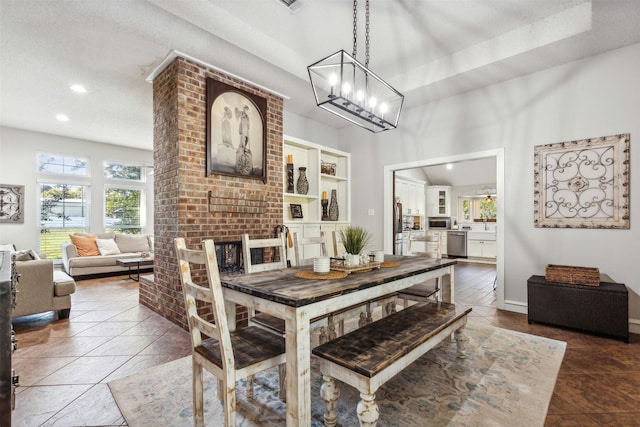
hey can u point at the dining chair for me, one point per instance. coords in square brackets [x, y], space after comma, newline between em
[426, 290]
[330, 325]
[299, 243]
[228, 355]
[277, 245]
[338, 247]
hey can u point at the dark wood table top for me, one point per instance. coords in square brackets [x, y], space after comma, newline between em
[127, 262]
[283, 287]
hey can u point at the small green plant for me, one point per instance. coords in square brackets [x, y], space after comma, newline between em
[354, 239]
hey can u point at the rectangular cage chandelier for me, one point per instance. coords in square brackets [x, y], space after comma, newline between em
[347, 88]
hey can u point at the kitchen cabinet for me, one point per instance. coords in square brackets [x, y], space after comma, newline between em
[327, 169]
[481, 244]
[411, 193]
[438, 200]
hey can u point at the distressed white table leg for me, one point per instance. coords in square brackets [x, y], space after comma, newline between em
[447, 286]
[231, 314]
[298, 349]
[329, 392]
[363, 320]
[331, 326]
[282, 375]
[368, 412]
[249, 390]
[323, 335]
[461, 342]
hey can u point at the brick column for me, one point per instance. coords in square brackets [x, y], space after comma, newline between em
[182, 207]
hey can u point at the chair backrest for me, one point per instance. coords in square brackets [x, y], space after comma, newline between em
[338, 247]
[431, 245]
[279, 260]
[204, 296]
[300, 242]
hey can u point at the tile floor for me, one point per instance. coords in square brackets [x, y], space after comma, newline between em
[65, 365]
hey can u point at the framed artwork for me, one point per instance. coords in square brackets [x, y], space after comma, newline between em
[582, 184]
[236, 132]
[296, 211]
[11, 204]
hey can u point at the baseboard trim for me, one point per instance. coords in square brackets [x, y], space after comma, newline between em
[516, 306]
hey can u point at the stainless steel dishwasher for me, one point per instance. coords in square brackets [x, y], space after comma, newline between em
[457, 244]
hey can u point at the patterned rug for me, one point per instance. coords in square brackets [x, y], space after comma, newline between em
[507, 379]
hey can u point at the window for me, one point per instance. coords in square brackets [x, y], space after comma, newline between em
[122, 210]
[124, 197]
[476, 208]
[62, 165]
[123, 171]
[64, 200]
[63, 211]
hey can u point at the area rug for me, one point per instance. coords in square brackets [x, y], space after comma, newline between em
[507, 379]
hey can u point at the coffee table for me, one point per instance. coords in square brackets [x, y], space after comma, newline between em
[134, 262]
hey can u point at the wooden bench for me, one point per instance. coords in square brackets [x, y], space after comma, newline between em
[369, 356]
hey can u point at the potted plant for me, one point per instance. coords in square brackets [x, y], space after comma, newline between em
[354, 239]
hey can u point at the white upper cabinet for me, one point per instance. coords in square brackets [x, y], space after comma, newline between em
[411, 194]
[438, 200]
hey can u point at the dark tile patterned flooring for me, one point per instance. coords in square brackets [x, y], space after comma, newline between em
[65, 365]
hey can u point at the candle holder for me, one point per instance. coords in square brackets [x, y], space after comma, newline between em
[290, 188]
[325, 208]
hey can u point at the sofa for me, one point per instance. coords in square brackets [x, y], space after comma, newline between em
[41, 288]
[96, 254]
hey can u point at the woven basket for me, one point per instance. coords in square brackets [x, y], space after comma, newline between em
[589, 276]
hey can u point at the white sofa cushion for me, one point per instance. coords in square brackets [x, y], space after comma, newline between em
[107, 246]
[132, 242]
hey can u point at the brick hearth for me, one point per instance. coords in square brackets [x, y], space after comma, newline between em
[190, 204]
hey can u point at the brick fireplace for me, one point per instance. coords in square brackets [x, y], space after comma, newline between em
[190, 204]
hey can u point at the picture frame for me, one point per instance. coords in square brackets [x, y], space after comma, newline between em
[11, 204]
[235, 131]
[296, 211]
[583, 183]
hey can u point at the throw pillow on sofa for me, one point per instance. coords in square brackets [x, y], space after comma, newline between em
[107, 247]
[26, 255]
[86, 244]
[132, 242]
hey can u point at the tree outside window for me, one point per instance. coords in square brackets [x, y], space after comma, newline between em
[122, 210]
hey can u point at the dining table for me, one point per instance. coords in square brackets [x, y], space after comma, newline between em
[298, 300]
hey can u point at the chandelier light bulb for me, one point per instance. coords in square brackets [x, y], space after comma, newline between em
[346, 88]
[360, 95]
[373, 101]
[384, 107]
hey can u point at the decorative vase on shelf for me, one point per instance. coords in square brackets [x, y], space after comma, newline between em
[333, 206]
[289, 177]
[302, 186]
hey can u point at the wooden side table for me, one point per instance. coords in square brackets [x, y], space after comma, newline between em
[134, 262]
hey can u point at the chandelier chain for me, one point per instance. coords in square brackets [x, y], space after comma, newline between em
[366, 42]
[355, 27]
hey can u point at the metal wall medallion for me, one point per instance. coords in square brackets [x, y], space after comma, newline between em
[12, 204]
[582, 184]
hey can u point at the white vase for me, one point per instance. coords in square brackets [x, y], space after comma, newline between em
[354, 259]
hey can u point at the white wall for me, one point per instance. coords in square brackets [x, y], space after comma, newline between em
[597, 96]
[309, 130]
[18, 165]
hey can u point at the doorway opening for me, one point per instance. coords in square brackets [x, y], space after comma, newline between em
[390, 234]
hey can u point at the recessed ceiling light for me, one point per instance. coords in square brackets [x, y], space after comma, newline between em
[78, 89]
[62, 117]
[449, 166]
